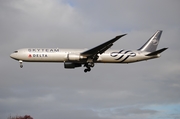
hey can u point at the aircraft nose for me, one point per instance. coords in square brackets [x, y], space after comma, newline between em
[13, 56]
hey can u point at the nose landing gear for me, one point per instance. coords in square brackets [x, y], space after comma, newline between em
[21, 65]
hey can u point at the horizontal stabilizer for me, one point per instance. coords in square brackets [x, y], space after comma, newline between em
[156, 52]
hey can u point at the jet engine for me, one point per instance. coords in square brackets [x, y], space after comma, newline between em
[71, 65]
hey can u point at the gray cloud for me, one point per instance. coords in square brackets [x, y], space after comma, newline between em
[47, 90]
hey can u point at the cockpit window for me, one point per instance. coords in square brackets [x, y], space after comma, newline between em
[15, 51]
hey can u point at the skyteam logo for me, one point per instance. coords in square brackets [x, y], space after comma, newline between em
[123, 55]
[155, 41]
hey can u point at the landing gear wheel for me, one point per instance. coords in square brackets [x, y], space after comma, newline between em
[21, 66]
[87, 70]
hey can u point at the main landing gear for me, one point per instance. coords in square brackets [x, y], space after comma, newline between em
[88, 67]
[21, 65]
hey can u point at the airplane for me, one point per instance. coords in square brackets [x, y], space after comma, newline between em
[73, 58]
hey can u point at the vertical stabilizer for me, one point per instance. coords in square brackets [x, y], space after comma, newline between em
[152, 43]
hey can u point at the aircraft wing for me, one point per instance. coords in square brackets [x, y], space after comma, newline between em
[92, 53]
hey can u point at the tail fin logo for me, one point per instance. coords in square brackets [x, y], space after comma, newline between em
[155, 41]
[152, 43]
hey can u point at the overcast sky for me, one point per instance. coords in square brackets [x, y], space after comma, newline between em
[143, 90]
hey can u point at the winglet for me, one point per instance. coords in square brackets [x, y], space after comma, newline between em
[117, 37]
[156, 52]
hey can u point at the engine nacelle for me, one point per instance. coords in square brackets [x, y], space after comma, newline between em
[71, 65]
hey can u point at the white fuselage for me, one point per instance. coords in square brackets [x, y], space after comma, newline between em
[73, 55]
[73, 58]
